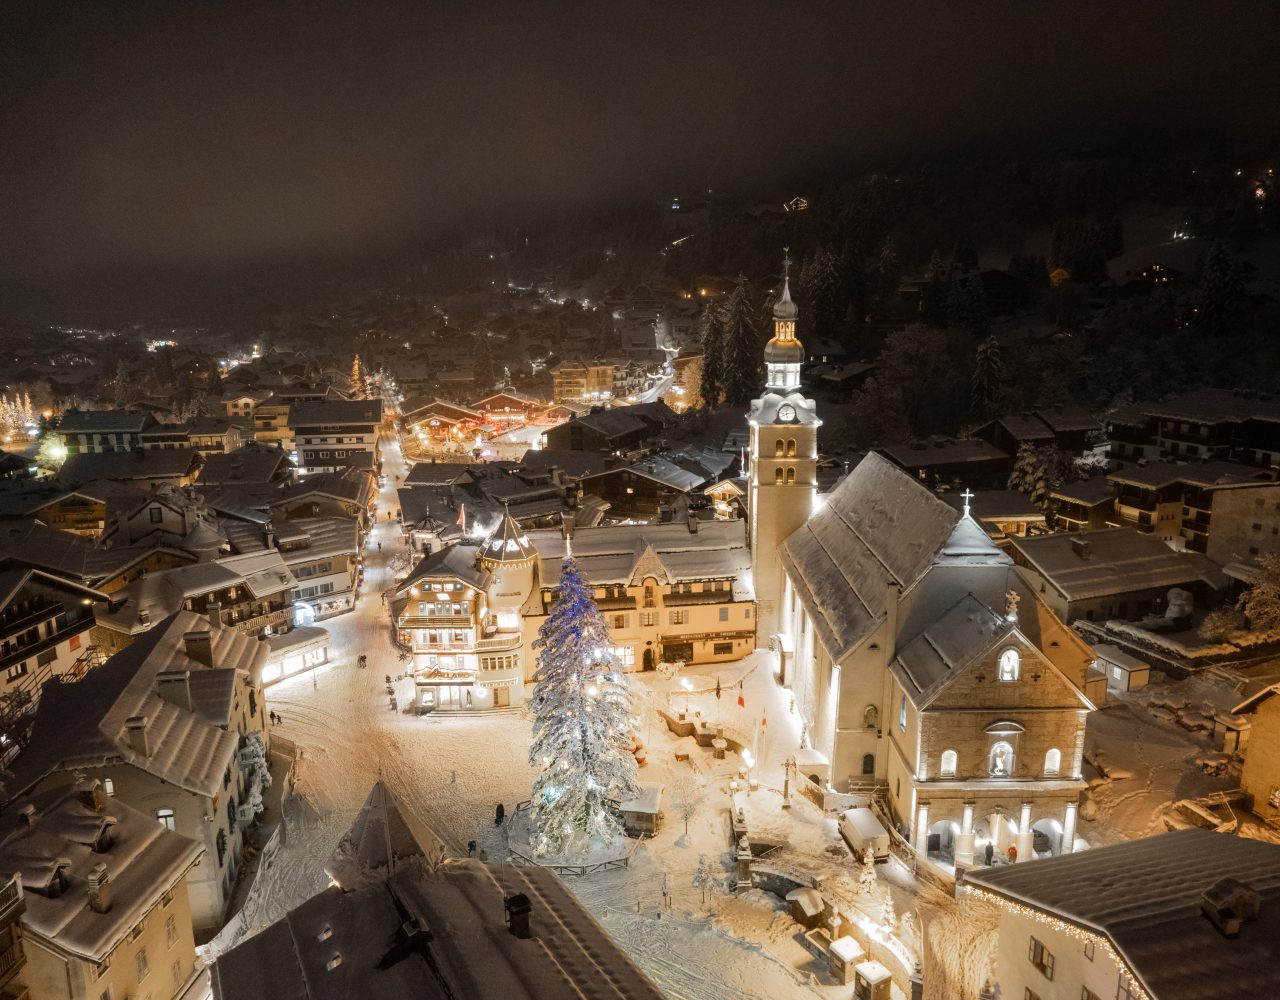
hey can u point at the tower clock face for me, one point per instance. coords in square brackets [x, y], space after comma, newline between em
[786, 412]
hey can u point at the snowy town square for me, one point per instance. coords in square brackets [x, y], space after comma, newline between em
[615, 501]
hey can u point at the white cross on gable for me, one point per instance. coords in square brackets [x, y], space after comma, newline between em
[967, 495]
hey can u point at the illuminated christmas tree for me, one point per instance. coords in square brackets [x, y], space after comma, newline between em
[581, 709]
[357, 379]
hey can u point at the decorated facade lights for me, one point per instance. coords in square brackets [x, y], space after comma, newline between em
[1072, 930]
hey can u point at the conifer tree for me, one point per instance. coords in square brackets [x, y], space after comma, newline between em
[1220, 297]
[581, 712]
[357, 380]
[741, 348]
[933, 301]
[988, 379]
[482, 362]
[821, 292]
[711, 386]
[1036, 471]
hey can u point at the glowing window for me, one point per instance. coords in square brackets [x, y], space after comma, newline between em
[1009, 664]
[1053, 761]
[1000, 763]
[948, 769]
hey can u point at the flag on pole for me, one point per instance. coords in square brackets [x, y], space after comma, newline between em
[742, 702]
[462, 517]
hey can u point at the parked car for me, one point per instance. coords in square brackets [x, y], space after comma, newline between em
[861, 830]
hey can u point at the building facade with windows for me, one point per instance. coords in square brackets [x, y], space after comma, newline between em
[1181, 916]
[46, 632]
[470, 613]
[93, 432]
[334, 434]
[173, 726]
[105, 893]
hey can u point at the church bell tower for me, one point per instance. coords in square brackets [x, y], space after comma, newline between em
[783, 475]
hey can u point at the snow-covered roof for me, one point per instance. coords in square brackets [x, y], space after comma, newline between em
[508, 542]
[144, 861]
[455, 562]
[340, 945]
[879, 528]
[1145, 895]
[950, 643]
[83, 724]
[1088, 564]
[620, 554]
[381, 837]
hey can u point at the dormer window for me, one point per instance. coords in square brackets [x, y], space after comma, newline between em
[1010, 663]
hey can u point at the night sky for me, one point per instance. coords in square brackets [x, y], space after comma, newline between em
[202, 134]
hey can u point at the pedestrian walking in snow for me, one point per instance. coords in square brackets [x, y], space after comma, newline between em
[453, 779]
[471, 848]
[990, 853]
[379, 546]
[499, 814]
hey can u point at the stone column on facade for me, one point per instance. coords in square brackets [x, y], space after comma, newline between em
[922, 830]
[964, 842]
[1024, 839]
[1069, 829]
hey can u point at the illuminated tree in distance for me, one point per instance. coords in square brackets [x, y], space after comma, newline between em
[357, 379]
[581, 712]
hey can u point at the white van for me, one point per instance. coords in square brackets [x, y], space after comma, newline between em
[861, 830]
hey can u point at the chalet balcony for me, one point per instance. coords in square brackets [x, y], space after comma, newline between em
[498, 643]
[703, 597]
[437, 621]
[250, 626]
[14, 654]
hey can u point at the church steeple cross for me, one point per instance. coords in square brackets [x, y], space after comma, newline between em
[967, 495]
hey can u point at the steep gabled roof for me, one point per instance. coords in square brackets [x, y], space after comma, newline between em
[879, 529]
[380, 837]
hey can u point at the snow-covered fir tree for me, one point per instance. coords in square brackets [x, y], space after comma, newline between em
[988, 379]
[711, 327]
[581, 713]
[741, 379]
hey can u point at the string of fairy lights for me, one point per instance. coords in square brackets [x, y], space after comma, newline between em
[1099, 942]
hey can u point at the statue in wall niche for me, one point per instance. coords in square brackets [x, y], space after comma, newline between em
[871, 717]
[1180, 603]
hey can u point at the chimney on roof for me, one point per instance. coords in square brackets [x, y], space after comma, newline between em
[99, 889]
[1228, 904]
[517, 908]
[214, 610]
[136, 733]
[174, 686]
[144, 616]
[269, 535]
[90, 793]
[1082, 547]
[27, 816]
[567, 521]
[693, 523]
[199, 646]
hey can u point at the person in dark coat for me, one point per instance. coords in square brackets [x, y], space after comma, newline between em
[990, 853]
[471, 848]
[499, 814]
